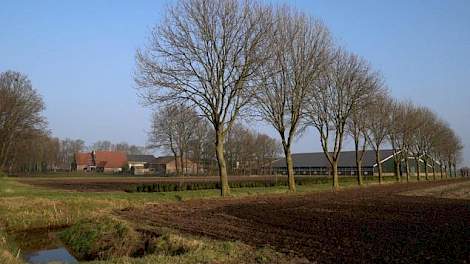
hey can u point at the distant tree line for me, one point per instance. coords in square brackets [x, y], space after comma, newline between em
[105, 145]
[231, 59]
[26, 144]
[180, 132]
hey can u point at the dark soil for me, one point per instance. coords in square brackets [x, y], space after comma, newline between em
[121, 185]
[361, 225]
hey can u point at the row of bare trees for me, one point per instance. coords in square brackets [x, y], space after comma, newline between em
[228, 58]
[181, 132]
[416, 131]
[415, 134]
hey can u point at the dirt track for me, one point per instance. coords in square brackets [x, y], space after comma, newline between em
[374, 224]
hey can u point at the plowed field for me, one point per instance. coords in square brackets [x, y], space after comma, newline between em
[362, 225]
[116, 184]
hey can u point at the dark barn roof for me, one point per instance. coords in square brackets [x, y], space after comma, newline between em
[319, 160]
[164, 159]
[142, 158]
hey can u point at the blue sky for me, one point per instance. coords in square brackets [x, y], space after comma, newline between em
[80, 56]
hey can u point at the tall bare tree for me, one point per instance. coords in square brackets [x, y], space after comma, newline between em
[300, 48]
[357, 130]
[206, 53]
[425, 127]
[379, 126]
[341, 89]
[402, 125]
[20, 114]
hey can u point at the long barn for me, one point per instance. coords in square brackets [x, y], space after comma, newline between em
[316, 163]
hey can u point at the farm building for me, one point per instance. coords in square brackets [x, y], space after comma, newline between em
[100, 161]
[141, 164]
[317, 163]
[166, 165]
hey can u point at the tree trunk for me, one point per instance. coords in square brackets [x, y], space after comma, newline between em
[397, 170]
[433, 169]
[359, 172]
[182, 163]
[175, 156]
[455, 170]
[418, 169]
[358, 163]
[449, 166]
[334, 167]
[379, 165]
[407, 164]
[290, 167]
[426, 169]
[219, 146]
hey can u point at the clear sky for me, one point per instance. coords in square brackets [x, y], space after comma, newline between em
[80, 56]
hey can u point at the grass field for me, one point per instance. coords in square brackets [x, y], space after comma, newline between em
[26, 207]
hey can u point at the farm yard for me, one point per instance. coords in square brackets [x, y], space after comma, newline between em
[386, 223]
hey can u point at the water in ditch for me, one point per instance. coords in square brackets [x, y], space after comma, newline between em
[43, 247]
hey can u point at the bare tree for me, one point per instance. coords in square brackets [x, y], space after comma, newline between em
[357, 129]
[248, 151]
[266, 150]
[300, 46]
[427, 138]
[185, 122]
[20, 114]
[102, 145]
[424, 121]
[198, 146]
[347, 83]
[68, 149]
[439, 133]
[129, 148]
[162, 133]
[238, 144]
[379, 127]
[402, 124]
[172, 129]
[453, 152]
[206, 53]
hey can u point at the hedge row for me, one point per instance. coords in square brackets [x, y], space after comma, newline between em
[192, 186]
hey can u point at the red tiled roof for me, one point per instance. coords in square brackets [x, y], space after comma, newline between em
[111, 159]
[83, 158]
[103, 159]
